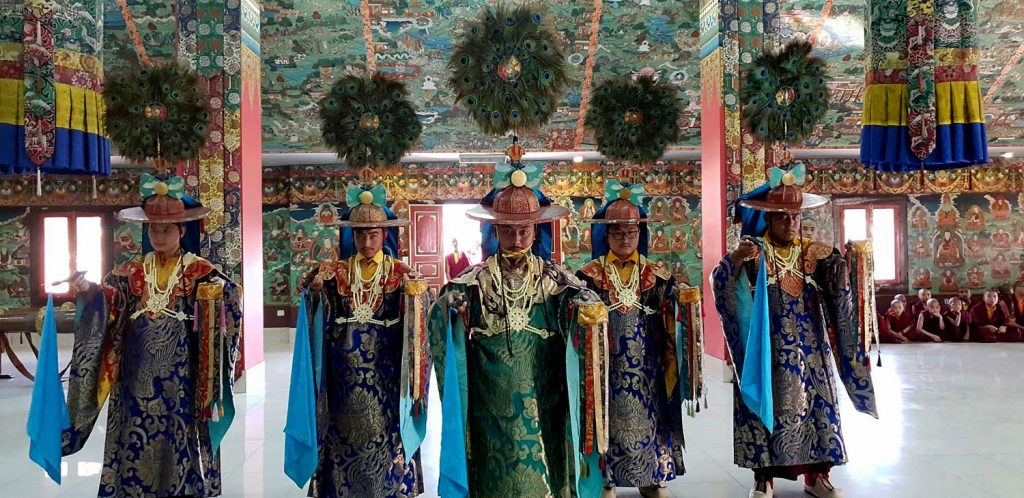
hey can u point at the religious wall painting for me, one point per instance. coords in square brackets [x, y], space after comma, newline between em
[1000, 207]
[975, 218]
[14, 259]
[922, 278]
[973, 239]
[588, 209]
[658, 209]
[949, 249]
[326, 214]
[127, 242]
[401, 210]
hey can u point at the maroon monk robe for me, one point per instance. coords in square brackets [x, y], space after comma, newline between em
[937, 325]
[1017, 305]
[916, 308]
[885, 334]
[905, 321]
[983, 317]
[456, 263]
[960, 330]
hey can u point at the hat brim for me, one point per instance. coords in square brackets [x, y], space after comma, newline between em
[138, 215]
[810, 201]
[545, 214]
[372, 224]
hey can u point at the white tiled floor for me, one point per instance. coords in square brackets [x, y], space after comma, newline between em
[950, 427]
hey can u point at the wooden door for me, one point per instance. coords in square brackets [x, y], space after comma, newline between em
[426, 247]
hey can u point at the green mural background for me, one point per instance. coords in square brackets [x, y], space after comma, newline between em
[971, 239]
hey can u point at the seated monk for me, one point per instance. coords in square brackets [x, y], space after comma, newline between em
[923, 295]
[958, 318]
[900, 322]
[885, 335]
[931, 325]
[992, 322]
[1016, 302]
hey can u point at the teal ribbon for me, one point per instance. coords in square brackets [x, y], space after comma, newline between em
[755, 340]
[775, 175]
[300, 443]
[503, 175]
[48, 412]
[380, 195]
[175, 186]
[220, 428]
[613, 190]
[454, 479]
[682, 359]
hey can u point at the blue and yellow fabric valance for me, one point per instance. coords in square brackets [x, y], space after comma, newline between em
[922, 103]
[51, 105]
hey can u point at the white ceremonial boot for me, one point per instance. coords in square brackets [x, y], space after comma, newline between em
[608, 493]
[823, 488]
[767, 493]
[655, 491]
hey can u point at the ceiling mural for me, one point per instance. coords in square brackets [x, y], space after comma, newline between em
[838, 29]
[308, 43]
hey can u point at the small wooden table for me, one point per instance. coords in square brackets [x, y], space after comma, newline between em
[23, 321]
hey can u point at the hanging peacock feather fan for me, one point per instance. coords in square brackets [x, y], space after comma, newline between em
[156, 113]
[507, 69]
[369, 121]
[784, 94]
[634, 120]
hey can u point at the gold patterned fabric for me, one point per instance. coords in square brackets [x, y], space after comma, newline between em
[157, 438]
[645, 414]
[361, 451]
[517, 436]
[806, 415]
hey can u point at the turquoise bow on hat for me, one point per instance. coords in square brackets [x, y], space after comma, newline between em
[503, 175]
[613, 189]
[354, 196]
[151, 185]
[776, 175]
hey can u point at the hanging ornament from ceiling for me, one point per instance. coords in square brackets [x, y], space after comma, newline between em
[507, 69]
[369, 120]
[784, 95]
[634, 120]
[157, 114]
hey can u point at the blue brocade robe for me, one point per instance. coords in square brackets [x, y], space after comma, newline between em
[805, 328]
[157, 439]
[645, 411]
[361, 452]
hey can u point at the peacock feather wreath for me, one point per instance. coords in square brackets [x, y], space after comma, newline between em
[369, 121]
[507, 69]
[156, 113]
[634, 120]
[785, 94]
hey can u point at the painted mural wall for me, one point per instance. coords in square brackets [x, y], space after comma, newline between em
[837, 27]
[674, 234]
[968, 239]
[14, 259]
[309, 43]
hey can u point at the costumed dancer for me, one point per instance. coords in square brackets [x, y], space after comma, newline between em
[655, 350]
[520, 351]
[159, 339]
[369, 359]
[780, 299]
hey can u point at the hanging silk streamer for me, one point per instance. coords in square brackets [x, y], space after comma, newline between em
[593, 317]
[591, 346]
[415, 368]
[755, 336]
[48, 412]
[922, 100]
[690, 349]
[51, 102]
[301, 443]
[862, 265]
[454, 479]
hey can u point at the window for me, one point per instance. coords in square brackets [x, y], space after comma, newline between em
[875, 222]
[71, 242]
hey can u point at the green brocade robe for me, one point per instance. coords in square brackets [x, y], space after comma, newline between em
[517, 424]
